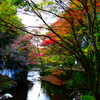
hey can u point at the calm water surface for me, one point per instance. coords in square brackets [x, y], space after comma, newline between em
[38, 90]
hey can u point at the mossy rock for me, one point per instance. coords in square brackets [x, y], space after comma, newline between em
[6, 83]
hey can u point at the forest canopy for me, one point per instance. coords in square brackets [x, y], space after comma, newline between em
[74, 36]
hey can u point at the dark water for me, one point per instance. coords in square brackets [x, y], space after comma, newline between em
[38, 90]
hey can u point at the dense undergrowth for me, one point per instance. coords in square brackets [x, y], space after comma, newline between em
[75, 80]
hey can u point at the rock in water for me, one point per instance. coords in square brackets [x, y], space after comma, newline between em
[6, 96]
[53, 79]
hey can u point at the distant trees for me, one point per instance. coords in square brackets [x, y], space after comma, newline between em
[23, 46]
[8, 33]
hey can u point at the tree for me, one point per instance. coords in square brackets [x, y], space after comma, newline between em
[8, 33]
[78, 35]
[23, 46]
[7, 17]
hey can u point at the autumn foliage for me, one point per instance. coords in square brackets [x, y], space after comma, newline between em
[48, 41]
[20, 41]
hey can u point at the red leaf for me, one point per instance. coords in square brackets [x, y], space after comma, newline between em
[48, 41]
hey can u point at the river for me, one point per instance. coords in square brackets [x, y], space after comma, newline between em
[38, 90]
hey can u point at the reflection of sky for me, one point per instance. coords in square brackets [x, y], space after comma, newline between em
[36, 92]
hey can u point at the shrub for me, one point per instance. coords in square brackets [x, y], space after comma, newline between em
[87, 97]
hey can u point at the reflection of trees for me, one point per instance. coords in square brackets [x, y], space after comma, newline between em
[52, 89]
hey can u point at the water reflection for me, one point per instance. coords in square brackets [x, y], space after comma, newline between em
[43, 90]
[38, 90]
[9, 72]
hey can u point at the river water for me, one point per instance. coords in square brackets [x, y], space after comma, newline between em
[38, 90]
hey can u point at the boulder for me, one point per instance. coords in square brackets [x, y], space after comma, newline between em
[6, 96]
[53, 79]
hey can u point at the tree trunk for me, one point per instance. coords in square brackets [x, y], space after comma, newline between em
[97, 95]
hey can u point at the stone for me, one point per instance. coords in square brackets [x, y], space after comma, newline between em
[6, 96]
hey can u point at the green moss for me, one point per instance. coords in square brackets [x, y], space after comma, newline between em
[5, 82]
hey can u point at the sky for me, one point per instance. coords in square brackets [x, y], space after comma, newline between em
[32, 20]
[29, 19]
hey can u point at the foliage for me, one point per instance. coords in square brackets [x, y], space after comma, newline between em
[8, 22]
[53, 90]
[72, 37]
[55, 71]
[78, 35]
[19, 3]
[77, 79]
[22, 45]
[87, 97]
[10, 26]
[48, 42]
[6, 82]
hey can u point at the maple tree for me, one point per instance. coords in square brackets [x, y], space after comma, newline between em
[26, 46]
[71, 35]
[23, 45]
[78, 35]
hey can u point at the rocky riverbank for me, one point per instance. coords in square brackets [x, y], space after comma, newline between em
[6, 83]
